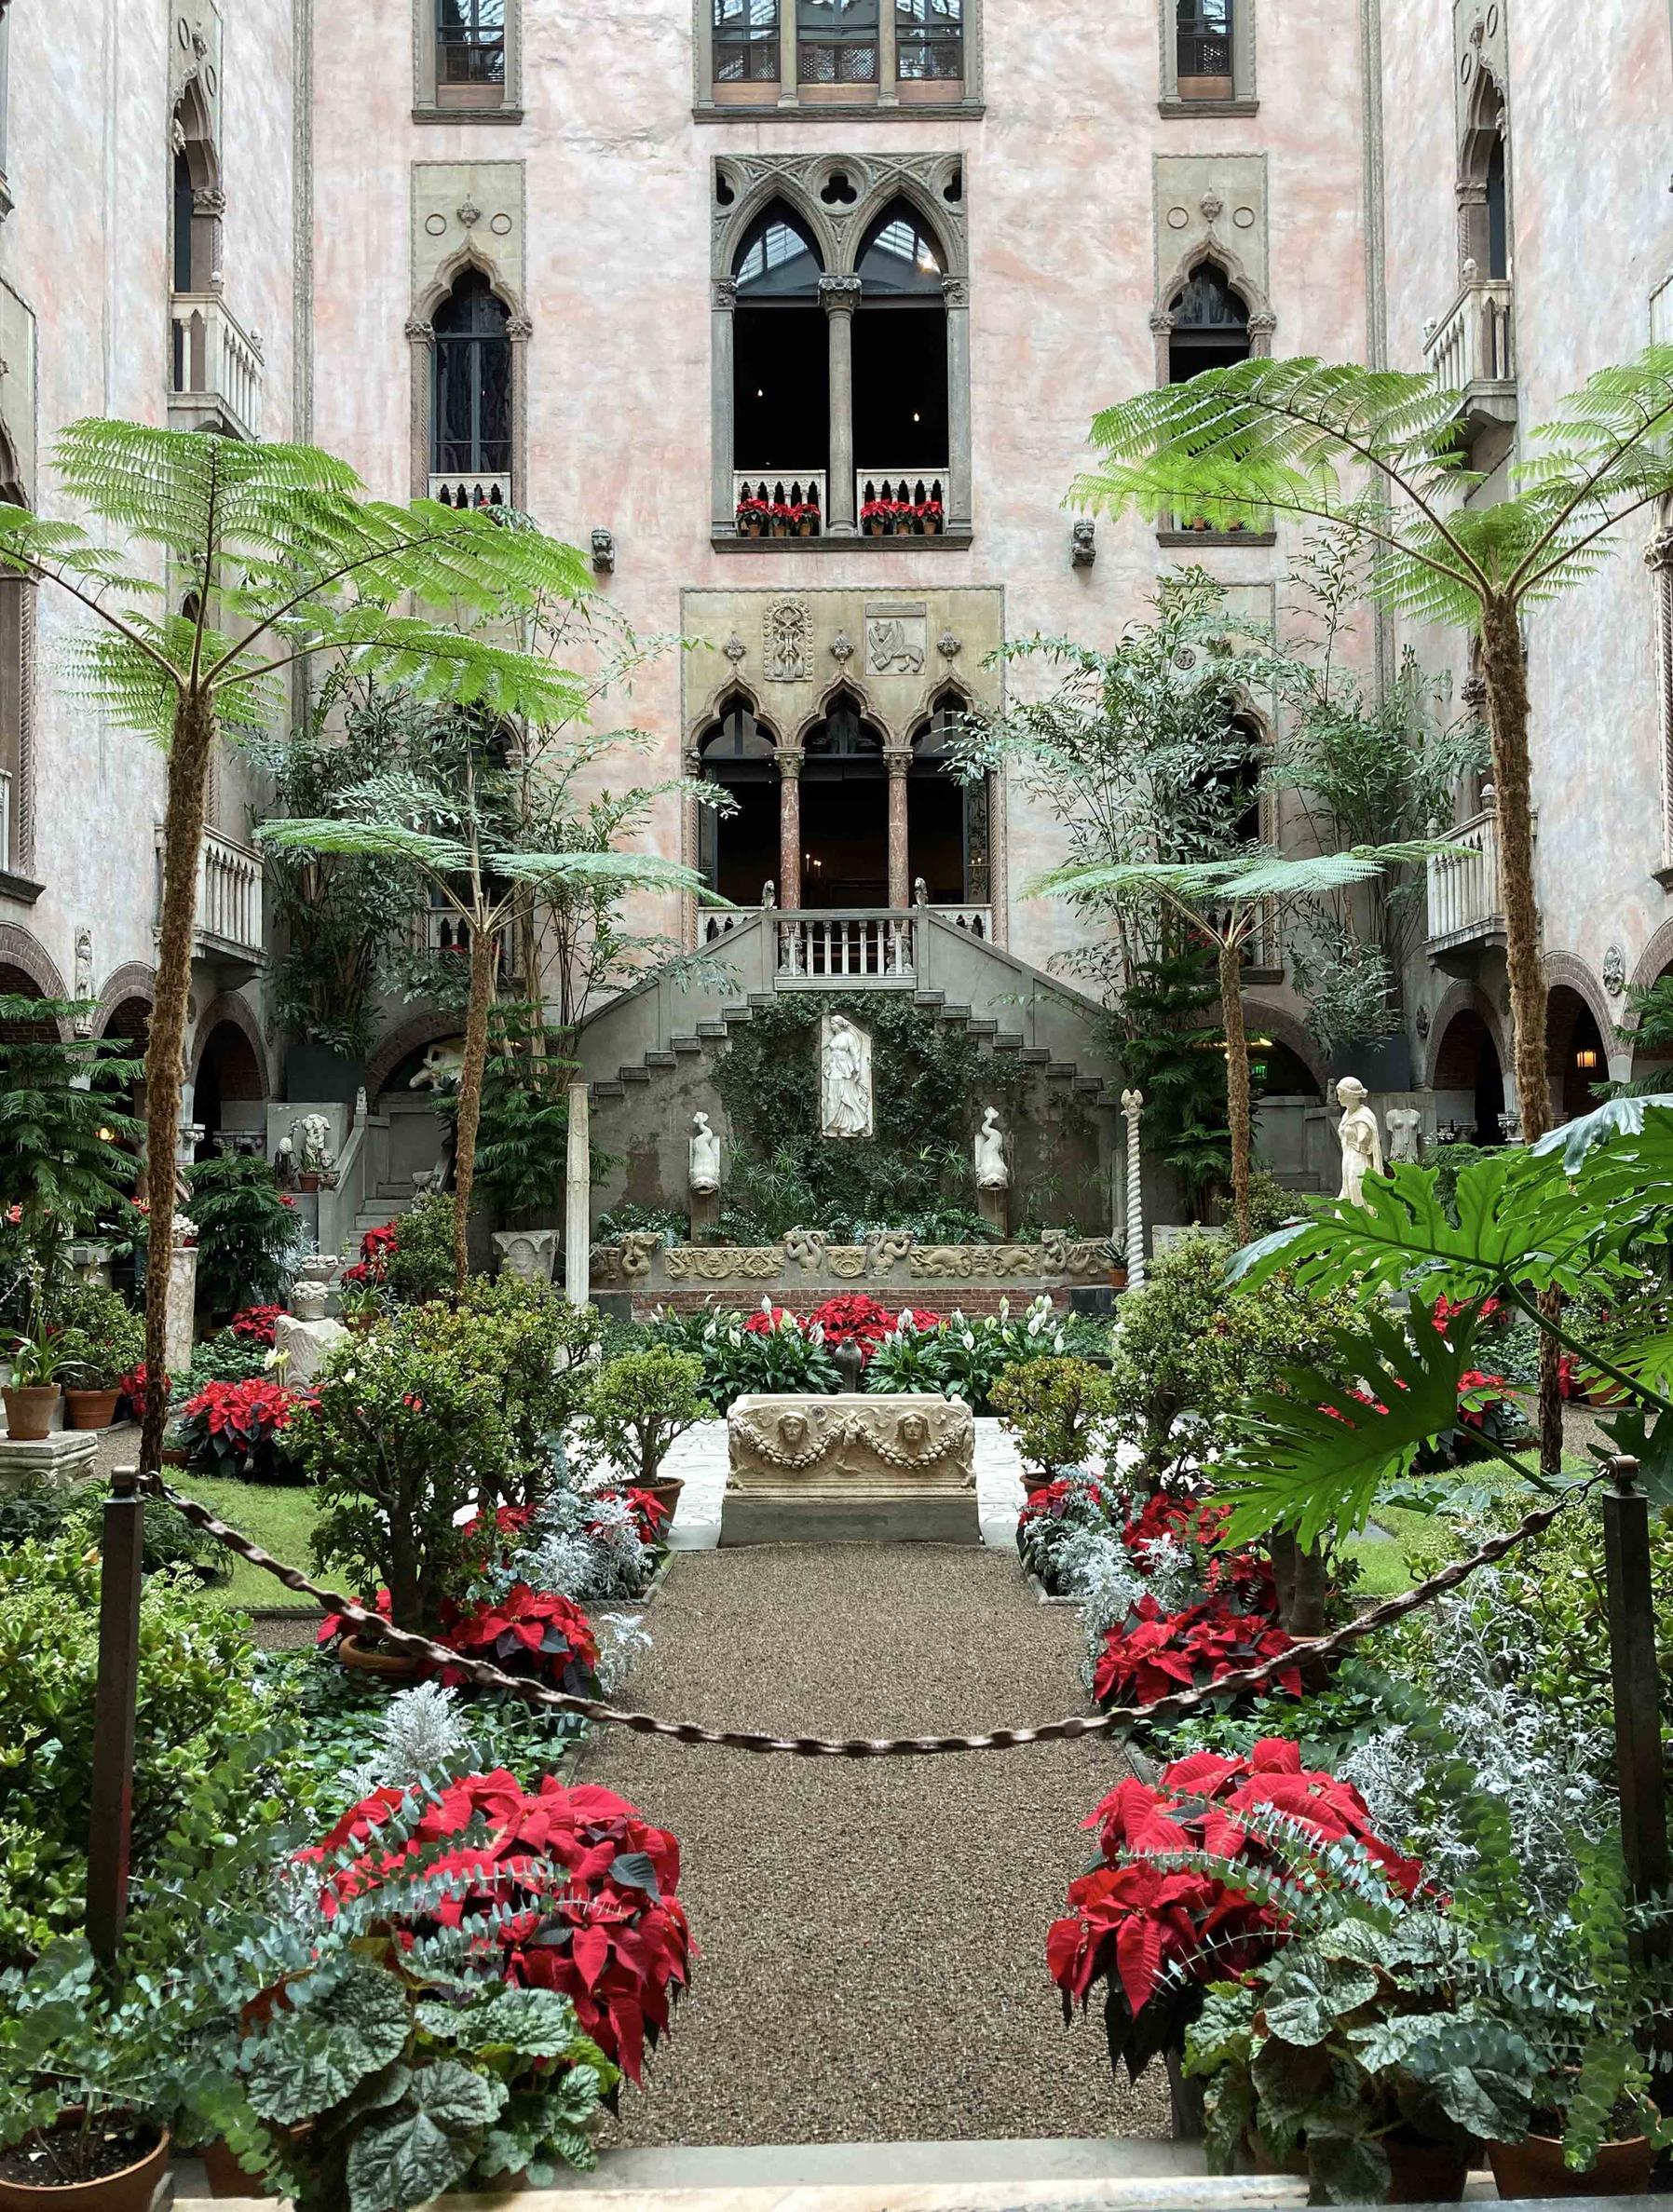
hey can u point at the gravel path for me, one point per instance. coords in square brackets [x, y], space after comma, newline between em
[872, 1934]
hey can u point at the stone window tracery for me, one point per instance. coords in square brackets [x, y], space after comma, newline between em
[471, 437]
[17, 696]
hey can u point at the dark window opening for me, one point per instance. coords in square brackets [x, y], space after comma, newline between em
[928, 40]
[471, 41]
[1498, 213]
[183, 222]
[738, 852]
[900, 353]
[947, 820]
[845, 812]
[836, 42]
[780, 351]
[1469, 1082]
[1205, 39]
[1210, 325]
[472, 423]
[746, 42]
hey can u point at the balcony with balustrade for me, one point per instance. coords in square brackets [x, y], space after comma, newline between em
[1472, 351]
[778, 502]
[1466, 904]
[215, 368]
[464, 488]
[228, 925]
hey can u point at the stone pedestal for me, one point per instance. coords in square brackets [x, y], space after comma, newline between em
[178, 1329]
[994, 1206]
[857, 1468]
[67, 1456]
[529, 1253]
[705, 1213]
[305, 1345]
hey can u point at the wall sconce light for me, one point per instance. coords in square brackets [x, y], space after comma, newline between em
[1586, 1057]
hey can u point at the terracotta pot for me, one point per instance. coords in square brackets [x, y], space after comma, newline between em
[806, 527]
[1604, 1392]
[90, 1410]
[28, 1411]
[1422, 2173]
[307, 1181]
[667, 1489]
[367, 1659]
[780, 529]
[226, 2177]
[1118, 1278]
[875, 529]
[932, 525]
[176, 1454]
[1534, 2168]
[130, 2190]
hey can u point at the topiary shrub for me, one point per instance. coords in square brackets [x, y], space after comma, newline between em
[1057, 1410]
[637, 1405]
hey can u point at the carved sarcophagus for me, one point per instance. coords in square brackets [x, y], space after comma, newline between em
[890, 1468]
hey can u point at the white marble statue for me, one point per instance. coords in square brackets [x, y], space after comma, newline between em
[705, 1158]
[991, 1171]
[1404, 1124]
[845, 1079]
[1360, 1137]
[315, 1157]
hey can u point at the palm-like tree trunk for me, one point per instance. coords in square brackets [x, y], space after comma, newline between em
[1506, 674]
[193, 742]
[1239, 1119]
[470, 1091]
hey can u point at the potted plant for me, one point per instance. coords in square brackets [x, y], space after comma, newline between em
[807, 517]
[241, 1430]
[99, 1339]
[783, 515]
[31, 1394]
[875, 517]
[635, 1408]
[929, 517]
[1057, 1411]
[750, 517]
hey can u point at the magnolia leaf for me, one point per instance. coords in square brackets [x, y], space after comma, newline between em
[1314, 1457]
[311, 2057]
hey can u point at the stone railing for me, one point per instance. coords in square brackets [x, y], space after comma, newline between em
[1473, 344]
[216, 366]
[472, 488]
[229, 897]
[781, 487]
[975, 921]
[1463, 899]
[849, 945]
[902, 487]
[643, 1261]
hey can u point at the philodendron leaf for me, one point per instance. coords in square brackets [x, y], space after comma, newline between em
[308, 2059]
[1349, 2169]
[1617, 1118]
[426, 2143]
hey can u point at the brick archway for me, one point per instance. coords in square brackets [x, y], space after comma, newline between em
[30, 958]
[135, 981]
[228, 1008]
[1569, 970]
[1462, 998]
[1285, 1030]
[1655, 960]
[423, 1029]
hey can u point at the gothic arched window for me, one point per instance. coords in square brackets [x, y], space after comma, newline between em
[1210, 324]
[471, 424]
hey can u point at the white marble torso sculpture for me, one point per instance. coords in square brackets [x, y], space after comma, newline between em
[705, 1158]
[991, 1171]
[844, 1079]
[1403, 1122]
[1360, 1137]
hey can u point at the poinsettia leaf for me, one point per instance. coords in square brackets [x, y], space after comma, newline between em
[309, 2059]
[1314, 1457]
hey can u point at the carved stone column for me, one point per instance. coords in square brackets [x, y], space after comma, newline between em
[1132, 1107]
[956, 292]
[209, 213]
[519, 330]
[897, 759]
[790, 824]
[840, 296]
[723, 302]
[421, 337]
[1658, 560]
[888, 67]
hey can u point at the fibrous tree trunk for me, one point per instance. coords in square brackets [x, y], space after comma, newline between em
[471, 1094]
[1239, 1120]
[1504, 671]
[193, 741]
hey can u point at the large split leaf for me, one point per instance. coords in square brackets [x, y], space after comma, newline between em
[1312, 1456]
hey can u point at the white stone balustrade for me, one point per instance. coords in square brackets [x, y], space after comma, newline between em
[1463, 892]
[229, 896]
[901, 488]
[216, 364]
[1473, 344]
[782, 487]
[852, 944]
[472, 488]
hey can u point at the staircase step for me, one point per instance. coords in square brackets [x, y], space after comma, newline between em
[928, 999]
[687, 1045]
[636, 1073]
[732, 1016]
[758, 1001]
[713, 1028]
[609, 1090]
[1036, 1056]
[1089, 1086]
[662, 1060]
[984, 1029]
[1059, 1067]
[1008, 1040]
[955, 1013]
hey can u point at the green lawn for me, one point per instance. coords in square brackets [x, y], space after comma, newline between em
[280, 1518]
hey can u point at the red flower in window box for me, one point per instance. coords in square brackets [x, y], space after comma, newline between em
[751, 517]
[928, 516]
[572, 1889]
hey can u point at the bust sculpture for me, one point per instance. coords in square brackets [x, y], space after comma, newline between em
[1360, 1137]
[991, 1171]
[705, 1158]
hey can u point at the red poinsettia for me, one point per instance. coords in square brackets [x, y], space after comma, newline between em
[528, 1632]
[854, 1319]
[255, 1325]
[378, 1248]
[571, 1887]
[236, 1428]
[1447, 1311]
[1477, 1395]
[651, 1514]
[1153, 1653]
[767, 1317]
[1051, 1501]
[135, 1386]
[1146, 1924]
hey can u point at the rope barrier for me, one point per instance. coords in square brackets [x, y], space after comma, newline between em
[1177, 1702]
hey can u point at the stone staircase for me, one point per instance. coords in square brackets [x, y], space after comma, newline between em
[387, 1202]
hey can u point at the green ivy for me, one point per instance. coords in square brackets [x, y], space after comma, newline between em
[929, 1082]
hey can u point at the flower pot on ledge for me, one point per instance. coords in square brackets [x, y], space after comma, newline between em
[1534, 2168]
[90, 1409]
[28, 1411]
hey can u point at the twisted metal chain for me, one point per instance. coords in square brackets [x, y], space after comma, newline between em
[1178, 1703]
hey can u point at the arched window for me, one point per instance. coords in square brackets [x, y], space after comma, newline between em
[739, 852]
[196, 221]
[781, 361]
[901, 413]
[470, 446]
[1210, 324]
[1484, 231]
[947, 819]
[845, 810]
[1498, 211]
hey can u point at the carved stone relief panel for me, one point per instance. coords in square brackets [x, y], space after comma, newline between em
[475, 206]
[896, 637]
[787, 643]
[1216, 202]
[195, 52]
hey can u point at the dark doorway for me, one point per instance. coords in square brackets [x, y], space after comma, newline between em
[739, 852]
[1467, 1063]
[946, 819]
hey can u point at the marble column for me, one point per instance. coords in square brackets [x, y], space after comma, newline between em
[723, 301]
[897, 759]
[790, 825]
[577, 1206]
[1132, 1106]
[956, 292]
[840, 296]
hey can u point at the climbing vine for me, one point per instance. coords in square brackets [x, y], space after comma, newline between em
[929, 1081]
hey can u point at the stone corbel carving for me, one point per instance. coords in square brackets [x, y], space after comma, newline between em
[1083, 542]
[604, 553]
